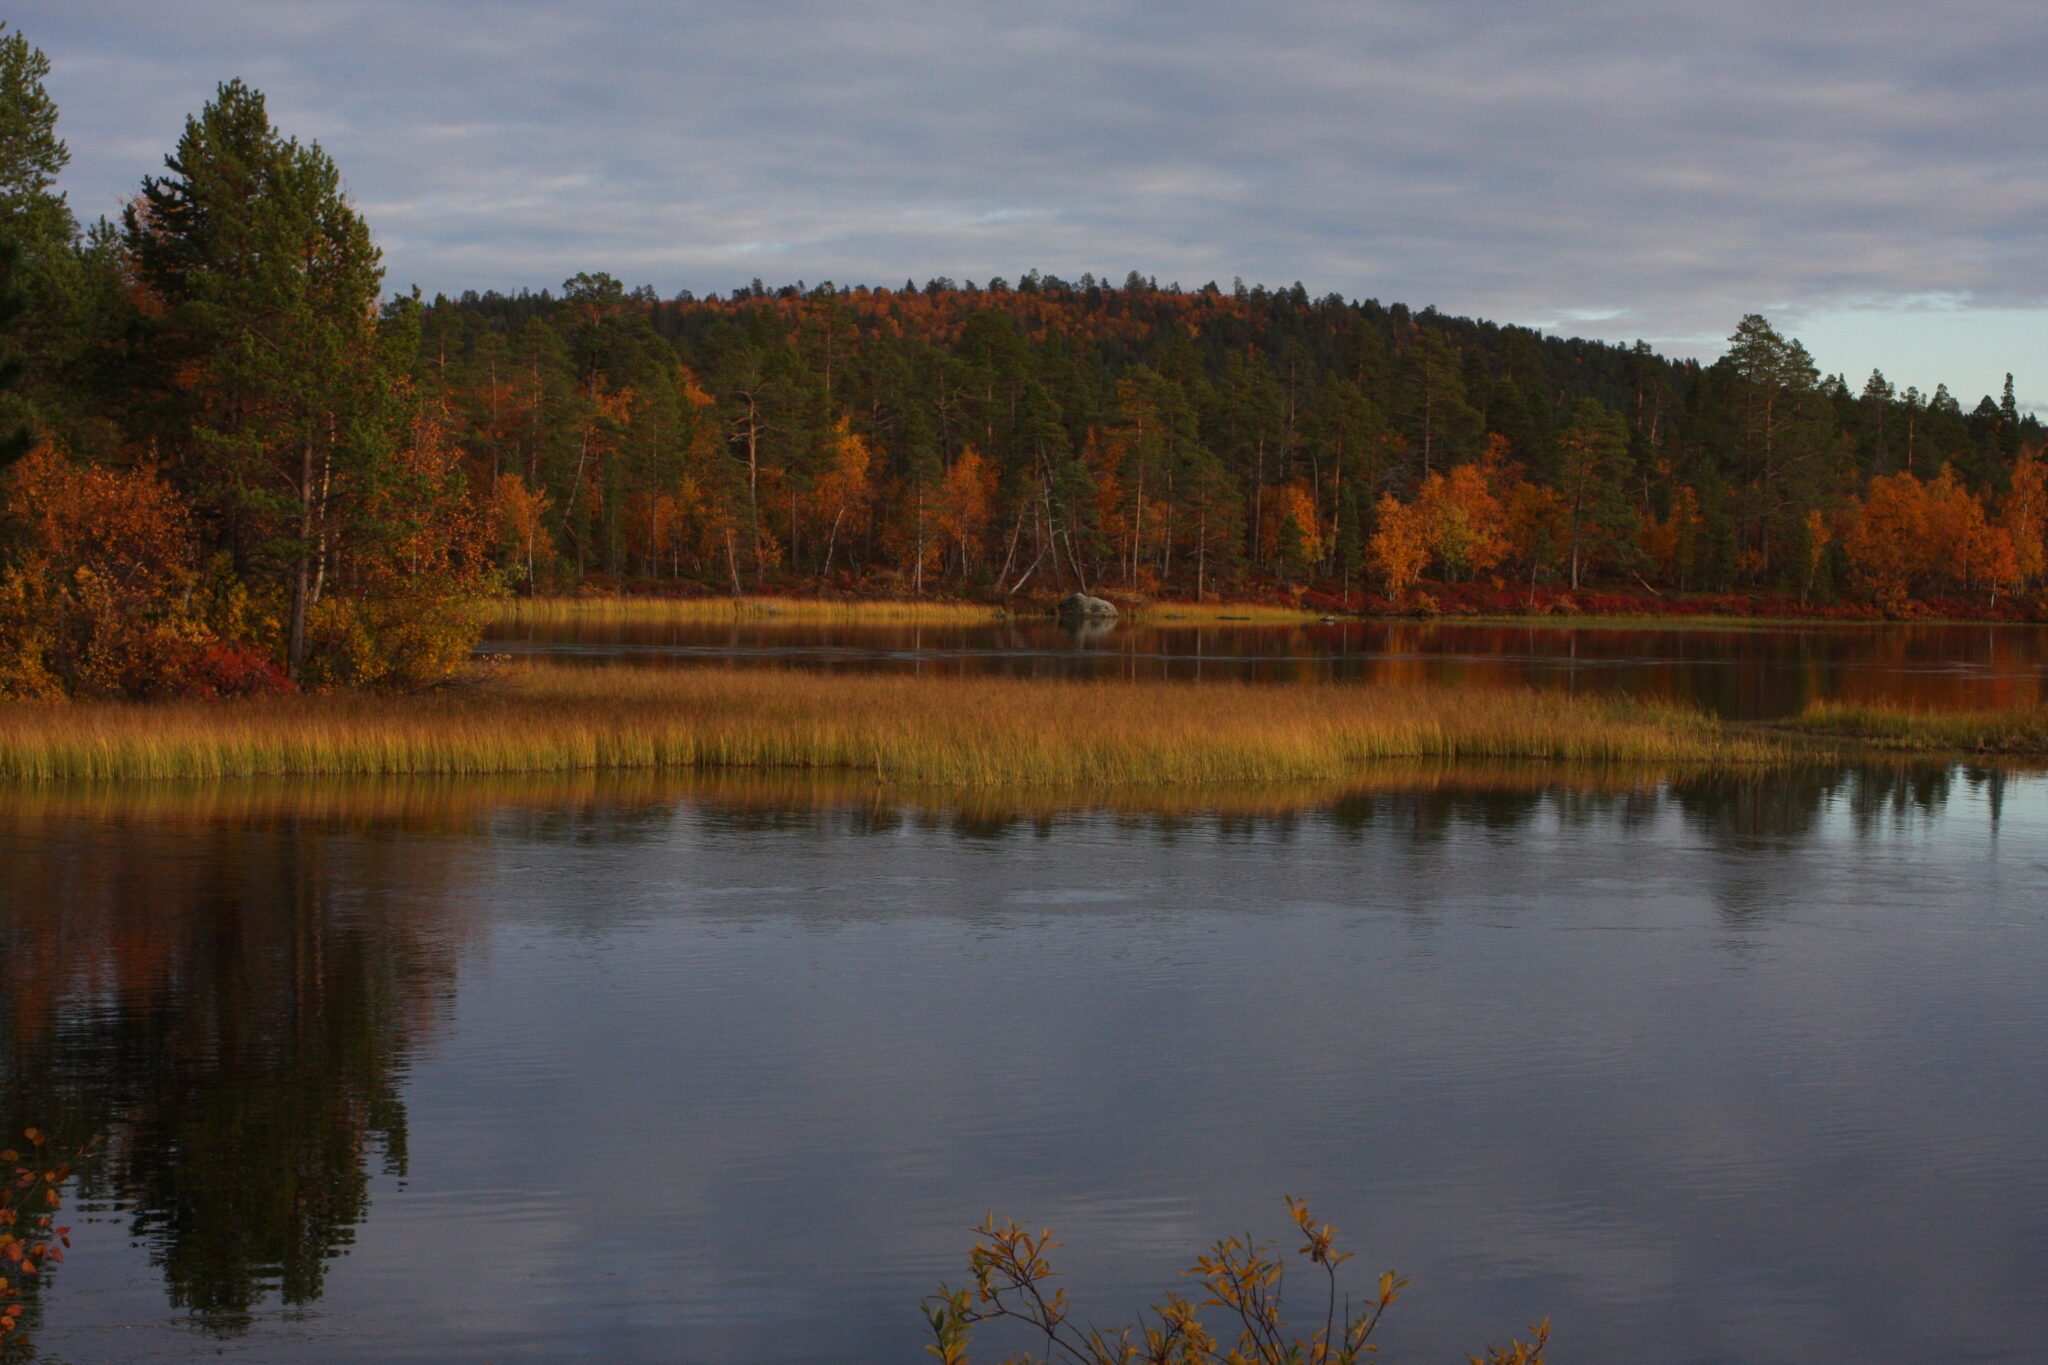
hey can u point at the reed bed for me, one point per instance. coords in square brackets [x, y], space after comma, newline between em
[2020, 731]
[949, 731]
[569, 611]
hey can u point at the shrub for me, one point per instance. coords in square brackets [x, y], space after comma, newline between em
[1010, 1275]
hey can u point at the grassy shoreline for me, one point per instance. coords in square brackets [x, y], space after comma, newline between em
[951, 731]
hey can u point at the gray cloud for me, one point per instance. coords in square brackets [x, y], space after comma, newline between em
[1624, 168]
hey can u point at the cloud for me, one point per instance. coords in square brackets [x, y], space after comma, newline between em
[1656, 168]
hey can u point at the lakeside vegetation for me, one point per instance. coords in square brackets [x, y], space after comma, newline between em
[1010, 1276]
[2017, 731]
[946, 731]
[952, 731]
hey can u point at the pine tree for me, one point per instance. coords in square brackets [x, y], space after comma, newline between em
[35, 226]
[32, 156]
[2008, 422]
[269, 282]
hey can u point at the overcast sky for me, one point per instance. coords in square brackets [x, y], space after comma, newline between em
[1873, 176]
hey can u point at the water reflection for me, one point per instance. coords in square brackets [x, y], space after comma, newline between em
[232, 1004]
[1740, 671]
[1706, 1064]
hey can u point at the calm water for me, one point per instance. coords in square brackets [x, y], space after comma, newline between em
[1709, 1070]
[1750, 672]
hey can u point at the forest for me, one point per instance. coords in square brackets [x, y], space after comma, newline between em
[232, 461]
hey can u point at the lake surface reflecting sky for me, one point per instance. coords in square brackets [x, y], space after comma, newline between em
[1710, 1068]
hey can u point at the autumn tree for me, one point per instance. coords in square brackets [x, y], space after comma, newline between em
[1295, 531]
[1465, 521]
[1886, 537]
[1671, 542]
[840, 494]
[1400, 546]
[518, 524]
[966, 495]
[2023, 515]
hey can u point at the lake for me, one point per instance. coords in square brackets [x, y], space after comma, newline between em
[1706, 1067]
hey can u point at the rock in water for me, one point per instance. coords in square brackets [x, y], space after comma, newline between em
[1081, 604]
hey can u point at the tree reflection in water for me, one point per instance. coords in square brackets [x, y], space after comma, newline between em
[233, 1005]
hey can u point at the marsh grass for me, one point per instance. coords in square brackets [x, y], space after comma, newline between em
[948, 731]
[2016, 731]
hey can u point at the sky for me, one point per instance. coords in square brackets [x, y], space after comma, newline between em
[1871, 176]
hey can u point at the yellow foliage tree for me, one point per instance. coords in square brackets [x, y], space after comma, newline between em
[842, 491]
[1465, 521]
[519, 526]
[966, 496]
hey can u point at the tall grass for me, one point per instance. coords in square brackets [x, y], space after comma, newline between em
[953, 731]
[2021, 730]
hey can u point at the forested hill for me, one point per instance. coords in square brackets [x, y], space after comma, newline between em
[1160, 439]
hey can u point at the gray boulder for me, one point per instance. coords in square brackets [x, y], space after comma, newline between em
[1082, 605]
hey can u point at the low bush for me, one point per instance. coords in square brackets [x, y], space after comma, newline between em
[1010, 1282]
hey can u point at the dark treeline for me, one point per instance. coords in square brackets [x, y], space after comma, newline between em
[231, 460]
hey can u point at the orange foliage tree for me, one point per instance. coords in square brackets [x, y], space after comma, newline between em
[104, 596]
[1294, 532]
[1400, 545]
[2023, 516]
[1466, 530]
[1670, 542]
[1885, 537]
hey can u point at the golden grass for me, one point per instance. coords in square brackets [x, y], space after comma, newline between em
[2021, 731]
[950, 731]
[654, 611]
